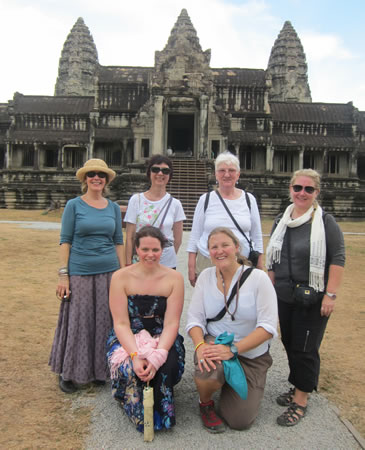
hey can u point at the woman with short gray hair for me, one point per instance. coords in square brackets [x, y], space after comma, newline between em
[228, 206]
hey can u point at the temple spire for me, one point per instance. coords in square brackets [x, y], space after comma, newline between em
[287, 68]
[78, 63]
[183, 52]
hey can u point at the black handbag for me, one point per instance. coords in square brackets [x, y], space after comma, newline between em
[253, 256]
[305, 295]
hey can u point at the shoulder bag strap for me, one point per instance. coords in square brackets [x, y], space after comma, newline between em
[243, 278]
[158, 215]
[233, 219]
[168, 206]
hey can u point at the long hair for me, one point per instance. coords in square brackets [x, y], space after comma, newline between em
[240, 258]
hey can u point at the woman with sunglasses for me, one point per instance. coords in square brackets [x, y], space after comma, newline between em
[156, 207]
[305, 258]
[91, 249]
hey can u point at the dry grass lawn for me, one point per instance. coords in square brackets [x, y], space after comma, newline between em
[36, 414]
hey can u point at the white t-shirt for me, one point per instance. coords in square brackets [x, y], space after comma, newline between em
[142, 211]
[216, 216]
[257, 307]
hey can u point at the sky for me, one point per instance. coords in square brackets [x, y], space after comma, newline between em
[240, 33]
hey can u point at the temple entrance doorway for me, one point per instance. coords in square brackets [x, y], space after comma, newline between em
[180, 134]
[361, 167]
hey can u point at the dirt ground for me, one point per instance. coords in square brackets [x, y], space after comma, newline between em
[36, 414]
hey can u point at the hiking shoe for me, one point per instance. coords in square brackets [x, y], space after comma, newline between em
[211, 420]
[286, 398]
[66, 386]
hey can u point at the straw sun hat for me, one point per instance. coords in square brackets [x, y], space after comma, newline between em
[97, 165]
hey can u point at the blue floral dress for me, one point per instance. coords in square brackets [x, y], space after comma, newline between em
[147, 312]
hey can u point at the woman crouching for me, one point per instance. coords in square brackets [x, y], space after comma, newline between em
[146, 301]
[231, 319]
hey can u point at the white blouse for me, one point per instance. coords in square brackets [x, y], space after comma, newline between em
[257, 307]
[216, 216]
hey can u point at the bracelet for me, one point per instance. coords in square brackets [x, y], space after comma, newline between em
[133, 354]
[198, 345]
[63, 271]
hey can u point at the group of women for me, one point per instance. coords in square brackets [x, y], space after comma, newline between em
[233, 313]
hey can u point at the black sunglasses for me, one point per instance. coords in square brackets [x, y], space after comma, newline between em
[308, 189]
[99, 174]
[164, 170]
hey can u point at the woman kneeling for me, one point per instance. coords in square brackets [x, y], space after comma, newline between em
[231, 318]
[146, 301]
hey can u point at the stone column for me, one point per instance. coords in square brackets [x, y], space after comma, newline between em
[59, 156]
[353, 164]
[203, 127]
[157, 126]
[36, 156]
[138, 149]
[8, 155]
[269, 158]
[301, 157]
[325, 162]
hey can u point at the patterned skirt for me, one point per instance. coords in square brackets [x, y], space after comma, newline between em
[78, 350]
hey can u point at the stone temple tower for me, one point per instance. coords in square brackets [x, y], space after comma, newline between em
[78, 63]
[287, 68]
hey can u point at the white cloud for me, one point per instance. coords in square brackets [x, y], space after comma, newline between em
[322, 47]
[239, 34]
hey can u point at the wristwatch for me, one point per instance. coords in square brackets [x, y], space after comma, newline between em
[331, 296]
[234, 350]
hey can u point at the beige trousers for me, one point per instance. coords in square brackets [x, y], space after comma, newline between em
[239, 414]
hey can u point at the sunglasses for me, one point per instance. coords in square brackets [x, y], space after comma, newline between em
[299, 187]
[164, 170]
[99, 174]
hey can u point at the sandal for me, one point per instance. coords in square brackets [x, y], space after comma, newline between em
[286, 398]
[292, 415]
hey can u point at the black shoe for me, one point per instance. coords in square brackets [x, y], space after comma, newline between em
[99, 382]
[66, 386]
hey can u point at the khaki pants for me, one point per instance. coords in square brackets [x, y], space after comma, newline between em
[239, 414]
[202, 262]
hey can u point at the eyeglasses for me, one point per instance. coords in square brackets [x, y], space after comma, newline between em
[308, 189]
[164, 170]
[92, 174]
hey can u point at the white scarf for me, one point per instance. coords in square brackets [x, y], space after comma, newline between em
[317, 259]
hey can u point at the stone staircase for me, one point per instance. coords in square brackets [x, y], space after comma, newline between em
[189, 182]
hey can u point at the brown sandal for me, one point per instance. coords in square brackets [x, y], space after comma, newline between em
[292, 415]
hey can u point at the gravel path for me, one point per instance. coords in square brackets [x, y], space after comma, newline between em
[320, 429]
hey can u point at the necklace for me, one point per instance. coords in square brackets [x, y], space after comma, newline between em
[237, 293]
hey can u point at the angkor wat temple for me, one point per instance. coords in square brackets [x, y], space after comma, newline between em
[126, 114]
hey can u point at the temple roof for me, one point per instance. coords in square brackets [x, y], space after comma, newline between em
[308, 140]
[50, 136]
[237, 76]
[312, 112]
[112, 134]
[252, 137]
[42, 104]
[124, 74]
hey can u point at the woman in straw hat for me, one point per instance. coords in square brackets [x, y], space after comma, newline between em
[91, 249]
